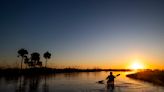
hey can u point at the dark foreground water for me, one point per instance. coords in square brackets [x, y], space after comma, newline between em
[74, 82]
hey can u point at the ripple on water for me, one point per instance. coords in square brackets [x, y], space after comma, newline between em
[76, 82]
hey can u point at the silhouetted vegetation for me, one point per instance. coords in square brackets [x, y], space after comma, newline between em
[22, 52]
[34, 60]
[42, 70]
[47, 55]
[155, 76]
[34, 66]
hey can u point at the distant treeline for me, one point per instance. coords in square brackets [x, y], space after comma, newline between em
[33, 65]
[30, 71]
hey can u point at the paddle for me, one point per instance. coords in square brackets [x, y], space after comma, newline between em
[102, 81]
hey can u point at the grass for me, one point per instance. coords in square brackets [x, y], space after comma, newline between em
[155, 77]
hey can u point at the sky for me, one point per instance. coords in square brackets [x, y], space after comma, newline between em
[84, 33]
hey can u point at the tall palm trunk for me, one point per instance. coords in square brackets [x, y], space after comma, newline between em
[21, 63]
[46, 63]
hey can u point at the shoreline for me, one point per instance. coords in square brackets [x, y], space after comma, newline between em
[155, 77]
[43, 71]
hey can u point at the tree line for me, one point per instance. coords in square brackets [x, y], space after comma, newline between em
[34, 60]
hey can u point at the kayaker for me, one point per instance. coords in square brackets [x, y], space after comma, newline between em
[110, 80]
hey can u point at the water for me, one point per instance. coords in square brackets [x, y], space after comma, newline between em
[75, 82]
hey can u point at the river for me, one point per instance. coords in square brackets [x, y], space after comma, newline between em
[75, 82]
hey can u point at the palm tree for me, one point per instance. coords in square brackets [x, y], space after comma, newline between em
[26, 60]
[22, 52]
[35, 58]
[47, 56]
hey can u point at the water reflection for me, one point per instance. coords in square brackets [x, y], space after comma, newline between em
[45, 85]
[74, 82]
[34, 83]
[28, 84]
[31, 84]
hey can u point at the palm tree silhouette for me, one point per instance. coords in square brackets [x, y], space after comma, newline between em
[26, 60]
[22, 52]
[35, 58]
[47, 56]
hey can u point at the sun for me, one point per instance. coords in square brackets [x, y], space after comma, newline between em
[136, 65]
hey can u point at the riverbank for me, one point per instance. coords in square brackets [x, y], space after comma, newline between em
[155, 77]
[33, 71]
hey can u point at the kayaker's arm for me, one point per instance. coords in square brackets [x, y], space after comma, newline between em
[117, 75]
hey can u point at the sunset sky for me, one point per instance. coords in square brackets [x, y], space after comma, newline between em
[85, 33]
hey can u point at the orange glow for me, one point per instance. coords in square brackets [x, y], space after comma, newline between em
[137, 65]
